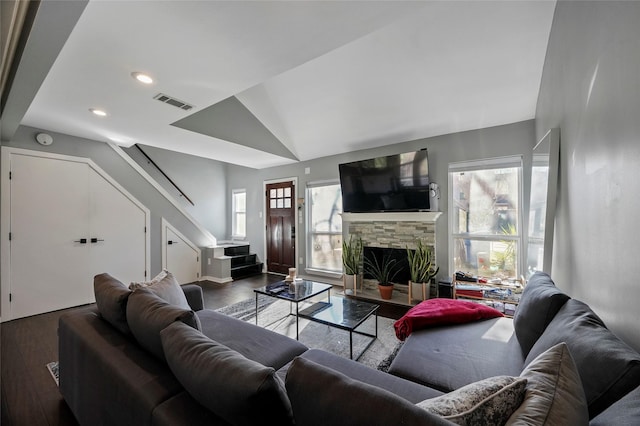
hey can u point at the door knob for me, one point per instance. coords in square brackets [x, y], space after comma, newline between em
[81, 241]
[172, 242]
[95, 240]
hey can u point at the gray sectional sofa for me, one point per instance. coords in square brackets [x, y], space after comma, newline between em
[136, 359]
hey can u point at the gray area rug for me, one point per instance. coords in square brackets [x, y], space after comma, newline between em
[273, 314]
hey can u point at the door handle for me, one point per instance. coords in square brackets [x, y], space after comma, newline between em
[172, 242]
[81, 241]
[293, 232]
[95, 240]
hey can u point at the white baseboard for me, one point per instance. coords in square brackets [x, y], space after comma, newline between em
[216, 279]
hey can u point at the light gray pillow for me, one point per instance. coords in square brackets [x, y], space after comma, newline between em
[487, 402]
[148, 314]
[554, 393]
[111, 299]
[167, 287]
[241, 391]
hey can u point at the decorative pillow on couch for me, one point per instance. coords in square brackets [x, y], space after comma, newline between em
[609, 368]
[486, 402]
[241, 391]
[323, 396]
[111, 299]
[540, 302]
[554, 393]
[148, 314]
[442, 311]
[167, 287]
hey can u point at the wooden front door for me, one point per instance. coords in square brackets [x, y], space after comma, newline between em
[281, 227]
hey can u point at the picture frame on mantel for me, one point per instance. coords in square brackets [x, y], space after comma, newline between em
[542, 202]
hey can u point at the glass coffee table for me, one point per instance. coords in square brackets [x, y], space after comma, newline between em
[295, 293]
[345, 314]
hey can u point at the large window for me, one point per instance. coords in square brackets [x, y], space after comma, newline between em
[239, 213]
[485, 216]
[324, 239]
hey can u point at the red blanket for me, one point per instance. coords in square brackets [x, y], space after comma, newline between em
[441, 311]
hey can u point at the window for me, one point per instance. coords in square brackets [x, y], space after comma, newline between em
[324, 240]
[485, 216]
[239, 213]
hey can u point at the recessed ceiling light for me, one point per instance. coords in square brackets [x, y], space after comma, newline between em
[142, 78]
[98, 112]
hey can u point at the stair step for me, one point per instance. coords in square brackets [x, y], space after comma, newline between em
[243, 259]
[236, 250]
[246, 270]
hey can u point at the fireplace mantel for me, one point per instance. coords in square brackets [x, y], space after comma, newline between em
[392, 217]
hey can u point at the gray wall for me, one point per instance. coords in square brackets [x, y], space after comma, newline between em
[512, 139]
[125, 175]
[201, 179]
[591, 90]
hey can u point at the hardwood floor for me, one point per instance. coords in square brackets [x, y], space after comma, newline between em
[29, 393]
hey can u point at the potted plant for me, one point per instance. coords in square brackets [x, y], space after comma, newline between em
[421, 268]
[383, 272]
[351, 261]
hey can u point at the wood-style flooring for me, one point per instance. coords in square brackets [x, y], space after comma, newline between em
[30, 397]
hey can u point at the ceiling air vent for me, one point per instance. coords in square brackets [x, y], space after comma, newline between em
[172, 101]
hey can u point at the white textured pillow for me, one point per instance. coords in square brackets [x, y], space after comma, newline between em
[554, 393]
[486, 402]
[167, 288]
[139, 284]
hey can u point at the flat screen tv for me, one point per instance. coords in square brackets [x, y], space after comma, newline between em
[393, 183]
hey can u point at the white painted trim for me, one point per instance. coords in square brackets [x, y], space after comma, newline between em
[391, 217]
[216, 279]
[265, 267]
[5, 211]
[165, 225]
[163, 192]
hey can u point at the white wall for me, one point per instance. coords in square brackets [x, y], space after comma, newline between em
[591, 90]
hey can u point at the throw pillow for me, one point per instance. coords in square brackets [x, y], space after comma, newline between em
[111, 299]
[440, 311]
[539, 303]
[609, 369]
[148, 314]
[167, 287]
[323, 396]
[487, 402]
[241, 391]
[138, 284]
[554, 393]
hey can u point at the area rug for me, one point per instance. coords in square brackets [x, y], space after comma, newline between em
[53, 369]
[274, 314]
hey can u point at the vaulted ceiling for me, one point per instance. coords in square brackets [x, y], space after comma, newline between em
[274, 82]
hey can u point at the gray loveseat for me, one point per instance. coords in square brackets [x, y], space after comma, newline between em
[136, 359]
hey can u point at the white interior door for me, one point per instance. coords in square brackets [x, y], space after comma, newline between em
[49, 217]
[117, 235]
[180, 256]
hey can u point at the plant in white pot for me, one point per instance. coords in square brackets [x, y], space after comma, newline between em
[383, 272]
[352, 263]
[421, 268]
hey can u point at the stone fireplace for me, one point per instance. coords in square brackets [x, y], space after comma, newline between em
[392, 231]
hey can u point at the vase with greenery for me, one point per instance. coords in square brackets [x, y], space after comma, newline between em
[352, 262]
[421, 268]
[383, 271]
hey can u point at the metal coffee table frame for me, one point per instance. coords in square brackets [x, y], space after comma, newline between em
[304, 290]
[345, 314]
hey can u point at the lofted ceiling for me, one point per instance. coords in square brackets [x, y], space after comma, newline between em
[275, 82]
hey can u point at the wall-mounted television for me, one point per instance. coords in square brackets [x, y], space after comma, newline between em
[393, 183]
